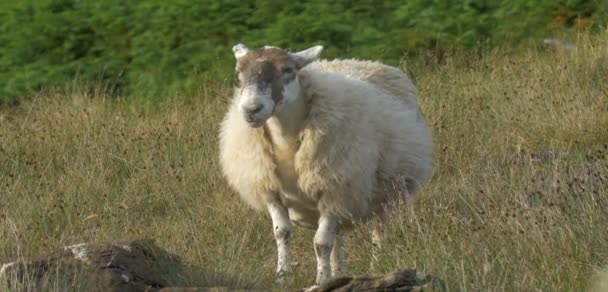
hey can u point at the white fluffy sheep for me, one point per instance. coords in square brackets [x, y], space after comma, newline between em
[321, 144]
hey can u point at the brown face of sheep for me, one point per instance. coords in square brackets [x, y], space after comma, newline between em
[268, 78]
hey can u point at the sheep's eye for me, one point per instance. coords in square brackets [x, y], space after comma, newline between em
[287, 70]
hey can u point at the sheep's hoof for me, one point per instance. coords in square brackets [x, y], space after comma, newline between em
[339, 272]
[284, 278]
[322, 279]
[313, 288]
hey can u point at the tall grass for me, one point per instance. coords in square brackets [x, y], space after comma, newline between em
[517, 202]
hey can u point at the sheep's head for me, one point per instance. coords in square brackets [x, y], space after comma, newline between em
[268, 79]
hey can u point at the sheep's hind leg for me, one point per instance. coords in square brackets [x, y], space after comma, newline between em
[283, 230]
[323, 243]
[378, 240]
[338, 261]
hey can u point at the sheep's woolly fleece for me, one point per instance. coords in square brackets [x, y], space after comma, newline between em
[363, 131]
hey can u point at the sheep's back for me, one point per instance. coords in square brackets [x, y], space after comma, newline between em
[388, 78]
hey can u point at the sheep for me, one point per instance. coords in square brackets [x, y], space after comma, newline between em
[321, 145]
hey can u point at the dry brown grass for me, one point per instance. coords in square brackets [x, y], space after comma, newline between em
[517, 202]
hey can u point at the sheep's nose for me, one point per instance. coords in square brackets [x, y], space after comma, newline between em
[253, 109]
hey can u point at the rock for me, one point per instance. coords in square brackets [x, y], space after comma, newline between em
[125, 266]
[559, 44]
[212, 289]
[403, 280]
[194, 289]
[140, 265]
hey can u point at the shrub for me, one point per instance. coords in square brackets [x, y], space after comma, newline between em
[168, 47]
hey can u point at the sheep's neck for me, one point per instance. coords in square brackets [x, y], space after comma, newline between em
[284, 131]
[285, 126]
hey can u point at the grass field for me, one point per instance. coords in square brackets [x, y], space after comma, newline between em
[517, 201]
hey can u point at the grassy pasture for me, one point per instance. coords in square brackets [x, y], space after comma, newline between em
[517, 202]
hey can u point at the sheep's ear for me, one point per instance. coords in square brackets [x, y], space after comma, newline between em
[304, 57]
[240, 50]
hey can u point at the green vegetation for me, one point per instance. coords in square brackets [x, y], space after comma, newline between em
[150, 49]
[517, 203]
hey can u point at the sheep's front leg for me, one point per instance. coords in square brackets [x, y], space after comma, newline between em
[338, 261]
[282, 233]
[324, 242]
